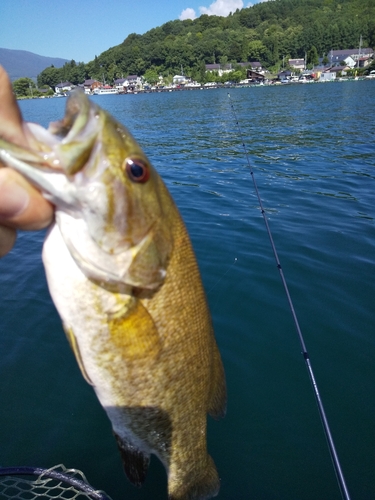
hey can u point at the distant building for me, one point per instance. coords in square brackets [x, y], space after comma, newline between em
[220, 68]
[336, 56]
[256, 66]
[284, 75]
[119, 84]
[297, 63]
[181, 80]
[254, 76]
[364, 61]
[327, 76]
[227, 68]
[240, 64]
[213, 67]
[63, 87]
[349, 61]
[339, 69]
[44, 91]
[133, 81]
[90, 85]
[130, 82]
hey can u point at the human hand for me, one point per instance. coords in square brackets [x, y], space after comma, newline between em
[21, 205]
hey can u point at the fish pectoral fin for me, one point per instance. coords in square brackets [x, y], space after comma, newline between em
[75, 348]
[135, 334]
[218, 400]
[134, 461]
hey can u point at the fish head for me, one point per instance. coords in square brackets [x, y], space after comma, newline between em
[111, 205]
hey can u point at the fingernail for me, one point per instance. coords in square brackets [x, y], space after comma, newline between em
[13, 199]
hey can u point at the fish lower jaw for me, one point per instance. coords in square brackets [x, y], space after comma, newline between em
[110, 271]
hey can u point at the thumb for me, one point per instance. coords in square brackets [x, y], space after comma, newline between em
[21, 205]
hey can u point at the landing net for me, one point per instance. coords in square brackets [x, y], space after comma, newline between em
[57, 483]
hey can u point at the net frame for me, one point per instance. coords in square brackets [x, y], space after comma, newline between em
[58, 483]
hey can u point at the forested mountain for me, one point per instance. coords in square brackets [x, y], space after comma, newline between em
[21, 63]
[266, 32]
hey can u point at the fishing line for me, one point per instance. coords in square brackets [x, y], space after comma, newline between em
[222, 276]
[306, 357]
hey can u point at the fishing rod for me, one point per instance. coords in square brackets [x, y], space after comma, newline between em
[331, 445]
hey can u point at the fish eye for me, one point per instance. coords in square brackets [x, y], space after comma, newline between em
[137, 170]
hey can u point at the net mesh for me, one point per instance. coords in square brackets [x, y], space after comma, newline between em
[56, 483]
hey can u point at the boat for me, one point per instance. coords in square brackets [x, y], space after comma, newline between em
[105, 91]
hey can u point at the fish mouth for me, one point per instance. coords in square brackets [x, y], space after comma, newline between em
[55, 154]
[52, 182]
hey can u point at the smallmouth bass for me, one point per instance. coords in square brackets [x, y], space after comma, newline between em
[123, 276]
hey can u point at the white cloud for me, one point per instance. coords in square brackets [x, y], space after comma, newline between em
[222, 7]
[187, 14]
[250, 4]
[218, 8]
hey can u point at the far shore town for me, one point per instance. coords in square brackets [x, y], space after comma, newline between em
[341, 65]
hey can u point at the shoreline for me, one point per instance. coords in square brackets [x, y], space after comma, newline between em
[211, 87]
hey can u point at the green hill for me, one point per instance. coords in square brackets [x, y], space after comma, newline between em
[267, 32]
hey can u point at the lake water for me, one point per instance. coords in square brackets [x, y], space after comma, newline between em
[313, 152]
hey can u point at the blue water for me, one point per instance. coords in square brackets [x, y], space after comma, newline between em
[313, 153]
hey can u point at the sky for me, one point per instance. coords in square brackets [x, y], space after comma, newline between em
[82, 29]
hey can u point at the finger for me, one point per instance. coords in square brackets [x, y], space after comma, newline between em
[10, 114]
[21, 205]
[7, 239]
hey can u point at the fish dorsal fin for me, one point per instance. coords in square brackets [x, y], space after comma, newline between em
[134, 461]
[75, 348]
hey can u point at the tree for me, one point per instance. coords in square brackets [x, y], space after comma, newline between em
[49, 92]
[77, 74]
[235, 76]
[23, 87]
[50, 76]
[312, 57]
[256, 50]
[272, 40]
[113, 72]
[151, 76]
